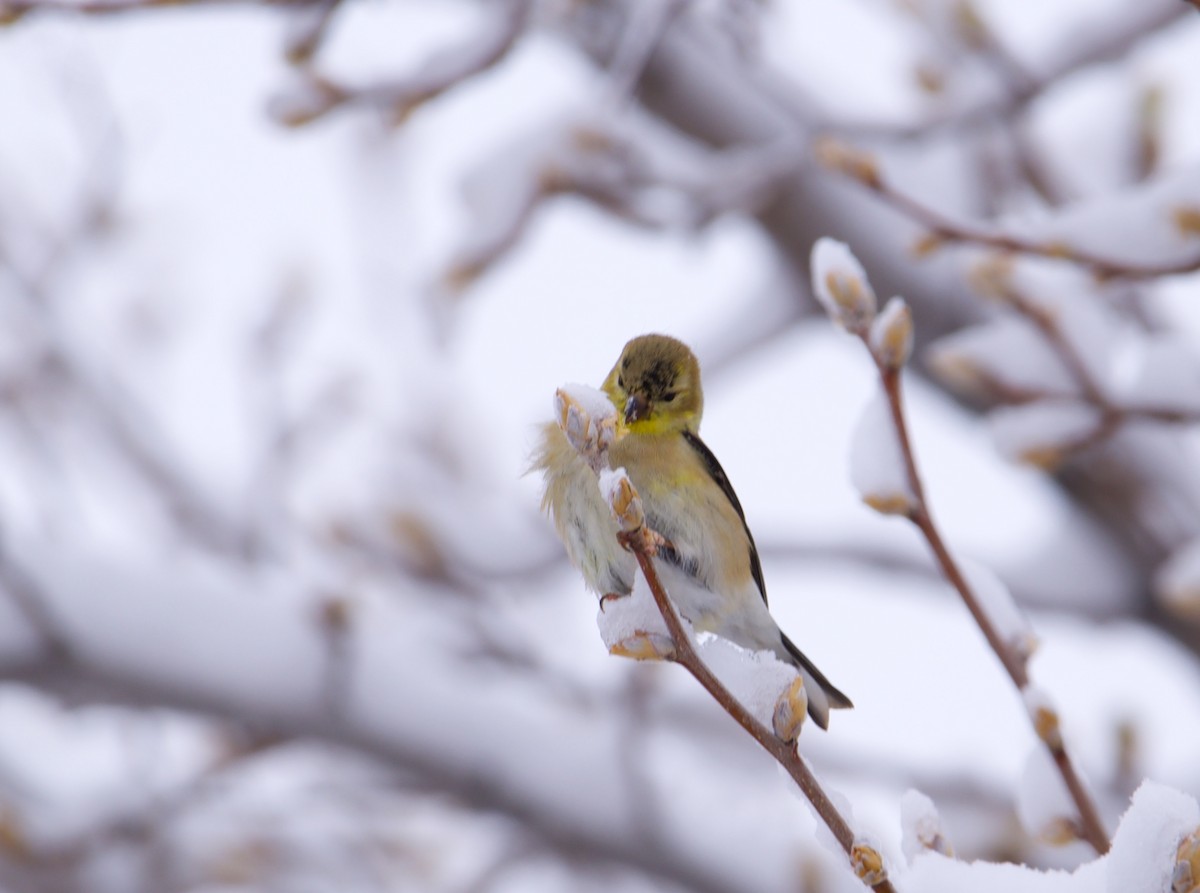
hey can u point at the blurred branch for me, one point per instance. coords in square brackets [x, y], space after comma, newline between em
[319, 94]
[628, 166]
[31, 602]
[1099, 42]
[642, 32]
[111, 408]
[1113, 415]
[862, 168]
[427, 725]
[62, 864]
[11, 10]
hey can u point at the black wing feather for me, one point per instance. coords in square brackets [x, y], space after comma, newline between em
[717, 473]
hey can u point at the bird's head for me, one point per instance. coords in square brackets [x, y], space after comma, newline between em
[655, 386]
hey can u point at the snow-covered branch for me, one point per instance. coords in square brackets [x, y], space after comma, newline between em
[591, 434]
[942, 229]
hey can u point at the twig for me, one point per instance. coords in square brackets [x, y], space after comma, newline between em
[860, 166]
[785, 753]
[11, 10]
[1091, 828]
[321, 94]
[642, 32]
[1113, 415]
[32, 603]
[1106, 45]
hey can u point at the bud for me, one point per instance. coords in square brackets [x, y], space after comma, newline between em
[972, 29]
[10, 14]
[922, 827]
[867, 863]
[1044, 718]
[1177, 586]
[645, 646]
[790, 710]
[618, 491]
[928, 244]
[589, 420]
[992, 277]
[1186, 220]
[841, 285]
[14, 844]
[930, 78]
[847, 160]
[877, 466]
[1186, 876]
[891, 335]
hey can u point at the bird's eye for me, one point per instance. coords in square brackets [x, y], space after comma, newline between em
[621, 382]
[668, 397]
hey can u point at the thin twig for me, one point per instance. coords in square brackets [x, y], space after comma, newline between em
[1113, 415]
[1106, 45]
[784, 752]
[10, 10]
[1091, 828]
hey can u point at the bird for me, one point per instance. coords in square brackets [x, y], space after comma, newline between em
[710, 565]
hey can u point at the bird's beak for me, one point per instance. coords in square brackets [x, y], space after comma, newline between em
[635, 408]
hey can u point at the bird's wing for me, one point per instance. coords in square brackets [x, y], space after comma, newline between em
[717, 473]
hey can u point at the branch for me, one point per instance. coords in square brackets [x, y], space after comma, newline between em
[31, 602]
[412, 702]
[861, 167]
[320, 94]
[845, 293]
[1092, 828]
[11, 10]
[589, 422]
[1107, 42]
[784, 752]
[983, 372]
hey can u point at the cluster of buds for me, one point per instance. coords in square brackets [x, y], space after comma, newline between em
[589, 420]
[843, 289]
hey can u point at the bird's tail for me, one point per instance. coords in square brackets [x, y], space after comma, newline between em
[822, 695]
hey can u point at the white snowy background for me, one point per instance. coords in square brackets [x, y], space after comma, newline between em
[278, 610]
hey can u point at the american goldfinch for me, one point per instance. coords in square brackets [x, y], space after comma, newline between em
[710, 567]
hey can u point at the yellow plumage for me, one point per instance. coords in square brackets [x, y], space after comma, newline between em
[711, 568]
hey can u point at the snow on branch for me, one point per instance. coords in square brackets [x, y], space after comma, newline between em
[1153, 851]
[921, 827]
[1068, 373]
[1166, 217]
[989, 603]
[1104, 39]
[618, 160]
